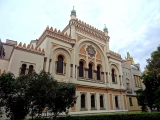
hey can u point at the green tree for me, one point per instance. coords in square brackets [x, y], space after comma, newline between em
[141, 97]
[151, 80]
[34, 92]
[62, 98]
[39, 88]
[16, 102]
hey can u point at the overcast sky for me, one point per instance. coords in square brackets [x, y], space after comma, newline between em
[134, 25]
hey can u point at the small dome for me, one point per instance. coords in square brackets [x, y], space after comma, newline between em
[105, 29]
[134, 67]
[73, 12]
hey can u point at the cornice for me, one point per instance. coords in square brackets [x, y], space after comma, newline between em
[89, 30]
[29, 48]
[114, 55]
[49, 32]
[26, 50]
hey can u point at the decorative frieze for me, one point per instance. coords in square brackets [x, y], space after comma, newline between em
[82, 56]
[80, 88]
[91, 59]
[99, 61]
[29, 48]
[114, 55]
[56, 34]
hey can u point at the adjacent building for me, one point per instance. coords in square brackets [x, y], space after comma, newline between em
[132, 82]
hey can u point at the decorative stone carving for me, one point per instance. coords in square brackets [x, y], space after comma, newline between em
[91, 51]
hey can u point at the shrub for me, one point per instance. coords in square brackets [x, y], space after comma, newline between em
[140, 116]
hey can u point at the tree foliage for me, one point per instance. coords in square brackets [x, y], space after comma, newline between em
[62, 98]
[151, 80]
[32, 93]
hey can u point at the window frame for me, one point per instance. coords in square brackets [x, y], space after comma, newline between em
[60, 64]
[130, 101]
[81, 69]
[83, 101]
[90, 71]
[98, 73]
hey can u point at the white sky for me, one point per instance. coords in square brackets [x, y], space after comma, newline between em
[134, 25]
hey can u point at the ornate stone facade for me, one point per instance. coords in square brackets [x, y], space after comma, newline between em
[91, 51]
[86, 61]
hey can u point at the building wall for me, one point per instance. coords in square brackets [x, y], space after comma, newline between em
[134, 107]
[19, 57]
[128, 78]
[75, 49]
[4, 65]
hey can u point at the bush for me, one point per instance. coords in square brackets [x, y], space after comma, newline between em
[141, 116]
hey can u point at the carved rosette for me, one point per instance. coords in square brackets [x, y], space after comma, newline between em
[91, 51]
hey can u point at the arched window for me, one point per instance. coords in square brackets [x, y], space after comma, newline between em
[80, 69]
[116, 101]
[30, 71]
[98, 73]
[90, 71]
[92, 101]
[101, 101]
[60, 64]
[23, 69]
[82, 101]
[113, 76]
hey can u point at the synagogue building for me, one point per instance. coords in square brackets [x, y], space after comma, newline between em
[78, 54]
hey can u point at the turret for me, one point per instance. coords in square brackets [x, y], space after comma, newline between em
[105, 29]
[73, 14]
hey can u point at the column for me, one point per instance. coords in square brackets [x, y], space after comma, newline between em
[97, 101]
[120, 102]
[106, 101]
[75, 71]
[71, 70]
[78, 103]
[125, 103]
[26, 71]
[106, 77]
[111, 101]
[44, 64]
[55, 67]
[88, 101]
[64, 70]
[120, 79]
[102, 76]
[49, 65]
[86, 73]
[94, 75]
